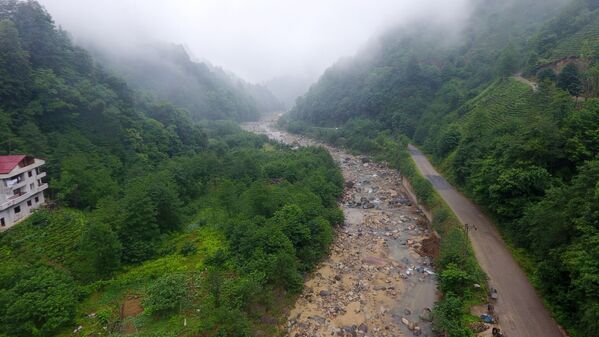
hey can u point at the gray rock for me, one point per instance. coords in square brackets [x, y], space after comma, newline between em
[426, 315]
[325, 293]
[318, 319]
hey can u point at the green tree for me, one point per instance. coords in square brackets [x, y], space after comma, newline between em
[40, 302]
[448, 141]
[162, 190]
[6, 133]
[447, 317]
[84, 180]
[139, 230]
[569, 80]
[508, 62]
[166, 294]
[454, 279]
[14, 66]
[101, 249]
[547, 74]
[591, 82]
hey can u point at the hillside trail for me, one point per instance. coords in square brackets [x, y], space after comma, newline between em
[520, 310]
[533, 85]
[378, 279]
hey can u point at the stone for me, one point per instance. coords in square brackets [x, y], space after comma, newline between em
[324, 293]
[426, 315]
[411, 326]
[318, 319]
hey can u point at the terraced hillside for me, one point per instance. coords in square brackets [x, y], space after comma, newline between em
[524, 152]
[572, 33]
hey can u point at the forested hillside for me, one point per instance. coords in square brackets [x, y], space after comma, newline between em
[154, 221]
[523, 146]
[207, 92]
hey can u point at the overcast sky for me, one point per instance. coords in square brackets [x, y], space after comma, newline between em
[256, 39]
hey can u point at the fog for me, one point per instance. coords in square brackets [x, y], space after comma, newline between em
[258, 39]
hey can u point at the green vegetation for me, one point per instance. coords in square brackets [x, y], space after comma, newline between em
[157, 221]
[525, 151]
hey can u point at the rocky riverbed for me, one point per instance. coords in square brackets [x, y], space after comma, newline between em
[378, 279]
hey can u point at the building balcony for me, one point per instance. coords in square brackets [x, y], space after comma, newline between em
[19, 198]
[14, 200]
[18, 185]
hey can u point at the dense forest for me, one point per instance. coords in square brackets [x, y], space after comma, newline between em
[508, 108]
[168, 73]
[206, 229]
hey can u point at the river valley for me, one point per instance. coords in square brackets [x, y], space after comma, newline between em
[378, 279]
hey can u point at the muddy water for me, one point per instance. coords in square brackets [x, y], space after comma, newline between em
[375, 282]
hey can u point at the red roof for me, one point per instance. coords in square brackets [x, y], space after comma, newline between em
[8, 163]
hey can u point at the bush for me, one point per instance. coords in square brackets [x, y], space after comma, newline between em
[40, 301]
[165, 295]
[454, 279]
[448, 317]
[189, 248]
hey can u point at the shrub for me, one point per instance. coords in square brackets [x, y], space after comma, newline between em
[166, 294]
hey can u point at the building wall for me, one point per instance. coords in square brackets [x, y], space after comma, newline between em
[30, 187]
[11, 217]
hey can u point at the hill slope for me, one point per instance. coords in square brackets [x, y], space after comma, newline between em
[519, 153]
[155, 220]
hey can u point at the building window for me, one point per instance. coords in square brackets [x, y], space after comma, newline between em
[37, 199]
[17, 209]
[2, 223]
[30, 173]
[28, 202]
[31, 186]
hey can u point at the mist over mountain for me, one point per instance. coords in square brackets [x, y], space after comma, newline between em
[288, 88]
[166, 218]
[167, 71]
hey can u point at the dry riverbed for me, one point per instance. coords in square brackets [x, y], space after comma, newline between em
[378, 279]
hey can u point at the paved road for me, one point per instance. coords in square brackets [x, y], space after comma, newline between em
[521, 312]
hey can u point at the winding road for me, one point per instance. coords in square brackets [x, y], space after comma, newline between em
[521, 311]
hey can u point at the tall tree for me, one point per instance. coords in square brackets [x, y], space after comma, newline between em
[569, 80]
[14, 66]
[508, 62]
[101, 249]
[139, 230]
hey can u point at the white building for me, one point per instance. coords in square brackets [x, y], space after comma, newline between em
[21, 188]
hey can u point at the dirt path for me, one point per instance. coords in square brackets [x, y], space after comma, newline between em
[376, 280]
[521, 312]
[533, 85]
